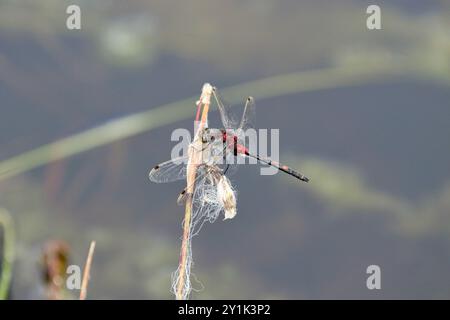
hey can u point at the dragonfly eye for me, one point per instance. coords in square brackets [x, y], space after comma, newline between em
[207, 139]
[208, 136]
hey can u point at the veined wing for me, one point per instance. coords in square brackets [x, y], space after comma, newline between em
[201, 177]
[169, 171]
[228, 120]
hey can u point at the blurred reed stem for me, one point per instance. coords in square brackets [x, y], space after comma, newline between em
[87, 271]
[141, 122]
[8, 253]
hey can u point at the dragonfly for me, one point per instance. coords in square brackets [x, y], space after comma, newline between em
[212, 156]
[220, 148]
[233, 137]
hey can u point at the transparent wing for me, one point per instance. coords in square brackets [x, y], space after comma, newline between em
[206, 204]
[169, 171]
[249, 114]
[228, 120]
[223, 157]
[199, 182]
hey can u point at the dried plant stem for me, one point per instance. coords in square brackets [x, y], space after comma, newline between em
[87, 271]
[194, 159]
[180, 294]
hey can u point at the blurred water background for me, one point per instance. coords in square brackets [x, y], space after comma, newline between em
[374, 140]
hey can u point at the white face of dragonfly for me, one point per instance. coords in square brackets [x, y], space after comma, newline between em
[213, 146]
[211, 135]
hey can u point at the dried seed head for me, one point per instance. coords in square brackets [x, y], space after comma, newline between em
[227, 197]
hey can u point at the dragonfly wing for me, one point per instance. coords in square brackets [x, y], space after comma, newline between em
[169, 171]
[201, 176]
[228, 120]
[248, 116]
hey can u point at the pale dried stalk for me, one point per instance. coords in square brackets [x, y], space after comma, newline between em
[87, 271]
[195, 157]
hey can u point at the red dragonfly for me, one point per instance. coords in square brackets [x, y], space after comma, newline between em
[222, 147]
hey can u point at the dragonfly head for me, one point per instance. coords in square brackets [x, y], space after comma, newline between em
[210, 135]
